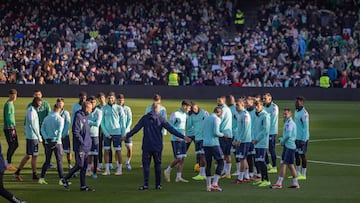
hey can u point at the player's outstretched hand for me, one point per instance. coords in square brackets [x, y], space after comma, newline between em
[187, 139]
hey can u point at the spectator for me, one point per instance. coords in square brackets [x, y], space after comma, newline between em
[98, 40]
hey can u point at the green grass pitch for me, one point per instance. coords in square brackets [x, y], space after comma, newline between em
[334, 129]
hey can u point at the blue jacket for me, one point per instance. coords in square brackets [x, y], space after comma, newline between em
[153, 123]
[52, 127]
[2, 161]
[81, 132]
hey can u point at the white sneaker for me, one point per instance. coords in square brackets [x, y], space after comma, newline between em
[167, 176]
[118, 172]
[180, 179]
[235, 173]
[106, 173]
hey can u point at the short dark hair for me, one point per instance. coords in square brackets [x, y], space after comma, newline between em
[12, 91]
[111, 94]
[186, 103]
[101, 94]
[91, 98]
[56, 106]
[157, 97]
[35, 101]
[59, 99]
[217, 109]
[84, 104]
[230, 96]
[257, 102]
[82, 94]
[120, 96]
[300, 98]
[287, 109]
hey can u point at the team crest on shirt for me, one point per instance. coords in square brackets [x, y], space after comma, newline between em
[289, 127]
[246, 117]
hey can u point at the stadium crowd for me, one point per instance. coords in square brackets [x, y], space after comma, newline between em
[81, 42]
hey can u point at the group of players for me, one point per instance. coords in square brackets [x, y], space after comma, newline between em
[246, 127]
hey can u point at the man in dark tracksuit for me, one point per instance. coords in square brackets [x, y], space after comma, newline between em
[81, 146]
[152, 144]
[3, 192]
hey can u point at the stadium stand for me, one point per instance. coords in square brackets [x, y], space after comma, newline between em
[79, 42]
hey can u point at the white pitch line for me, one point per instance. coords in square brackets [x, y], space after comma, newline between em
[332, 163]
[335, 139]
[329, 163]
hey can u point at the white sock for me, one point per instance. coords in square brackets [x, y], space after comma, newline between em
[295, 181]
[280, 180]
[168, 169]
[238, 165]
[208, 181]
[246, 175]
[251, 174]
[128, 159]
[303, 172]
[298, 169]
[178, 175]
[228, 169]
[216, 179]
[202, 171]
[119, 167]
[241, 176]
[107, 167]
[117, 163]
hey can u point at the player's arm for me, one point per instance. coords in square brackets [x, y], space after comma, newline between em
[128, 120]
[43, 129]
[59, 131]
[76, 129]
[33, 118]
[67, 121]
[237, 129]
[171, 129]
[305, 122]
[266, 125]
[7, 116]
[189, 126]
[217, 127]
[164, 114]
[136, 128]
[122, 120]
[246, 125]
[48, 108]
[173, 120]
